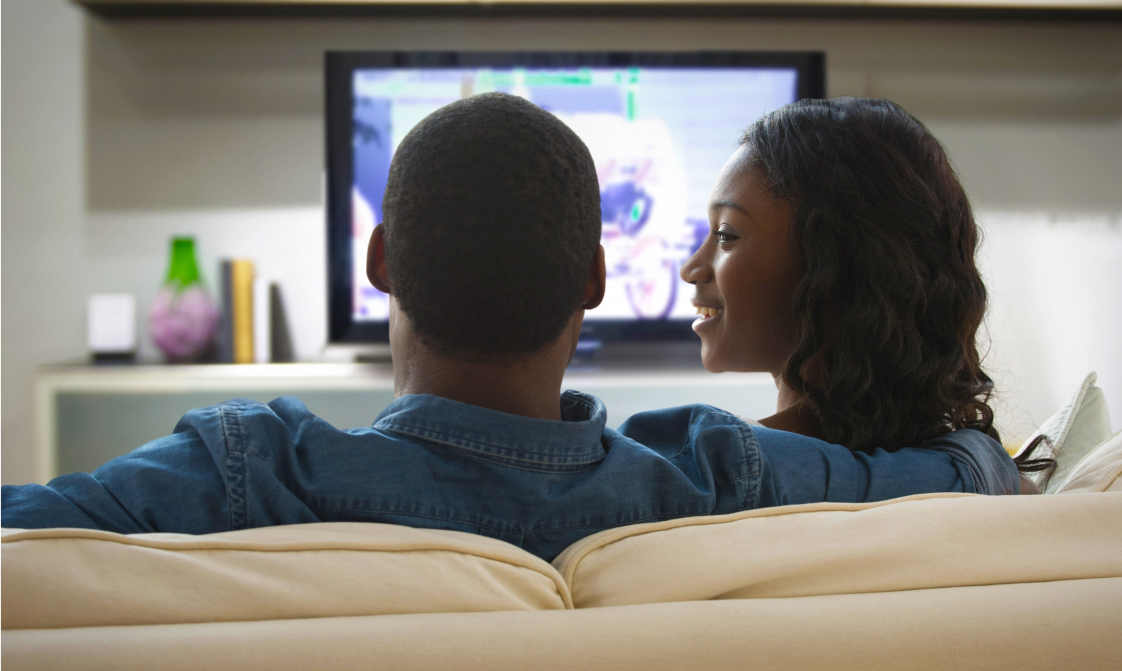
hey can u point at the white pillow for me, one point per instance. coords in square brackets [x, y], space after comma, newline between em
[1100, 471]
[1079, 427]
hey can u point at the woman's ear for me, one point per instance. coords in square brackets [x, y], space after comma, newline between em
[597, 280]
[376, 261]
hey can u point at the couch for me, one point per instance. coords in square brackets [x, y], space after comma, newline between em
[938, 581]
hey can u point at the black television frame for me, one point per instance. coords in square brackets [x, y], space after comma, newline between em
[339, 116]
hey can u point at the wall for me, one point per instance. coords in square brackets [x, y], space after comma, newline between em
[46, 271]
[133, 130]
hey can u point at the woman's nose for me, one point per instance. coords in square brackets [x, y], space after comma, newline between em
[696, 268]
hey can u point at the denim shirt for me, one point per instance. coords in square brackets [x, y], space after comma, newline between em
[432, 462]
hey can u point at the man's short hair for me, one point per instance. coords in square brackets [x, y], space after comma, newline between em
[492, 222]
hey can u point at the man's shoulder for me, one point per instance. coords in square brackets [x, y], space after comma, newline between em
[241, 422]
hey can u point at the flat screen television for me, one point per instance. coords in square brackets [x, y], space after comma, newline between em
[659, 127]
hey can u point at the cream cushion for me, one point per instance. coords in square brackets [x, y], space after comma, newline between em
[1074, 626]
[79, 578]
[919, 542]
[1099, 471]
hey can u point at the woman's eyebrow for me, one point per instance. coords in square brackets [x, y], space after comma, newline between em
[729, 203]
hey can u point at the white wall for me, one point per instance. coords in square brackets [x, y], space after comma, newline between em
[46, 271]
[123, 133]
[1055, 283]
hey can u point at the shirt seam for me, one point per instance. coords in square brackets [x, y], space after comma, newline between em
[643, 520]
[481, 525]
[749, 445]
[423, 433]
[236, 487]
[507, 530]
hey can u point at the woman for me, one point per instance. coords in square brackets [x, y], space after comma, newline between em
[841, 260]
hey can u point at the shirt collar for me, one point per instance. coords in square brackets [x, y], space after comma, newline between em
[575, 440]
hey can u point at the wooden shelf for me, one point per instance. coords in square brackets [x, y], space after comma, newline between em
[138, 379]
[1080, 10]
[157, 379]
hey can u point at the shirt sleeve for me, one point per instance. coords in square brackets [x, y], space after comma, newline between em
[796, 469]
[173, 484]
[991, 468]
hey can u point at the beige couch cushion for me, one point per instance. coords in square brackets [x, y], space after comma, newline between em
[1074, 625]
[934, 540]
[1099, 471]
[78, 578]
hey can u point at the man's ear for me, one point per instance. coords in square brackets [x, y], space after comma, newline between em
[376, 261]
[597, 280]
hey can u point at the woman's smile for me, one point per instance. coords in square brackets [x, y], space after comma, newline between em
[706, 314]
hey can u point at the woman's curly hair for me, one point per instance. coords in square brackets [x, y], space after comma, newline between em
[891, 293]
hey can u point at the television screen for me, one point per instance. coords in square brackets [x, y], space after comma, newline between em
[659, 128]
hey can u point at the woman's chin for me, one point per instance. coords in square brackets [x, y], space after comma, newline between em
[712, 363]
[715, 361]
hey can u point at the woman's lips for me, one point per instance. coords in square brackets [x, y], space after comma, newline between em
[706, 315]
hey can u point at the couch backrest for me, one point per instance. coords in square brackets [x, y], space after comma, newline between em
[919, 542]
[56, 578]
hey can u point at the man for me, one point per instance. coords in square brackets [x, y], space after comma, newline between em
[490, 254]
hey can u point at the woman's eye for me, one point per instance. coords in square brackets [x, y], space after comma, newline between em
[724, 235]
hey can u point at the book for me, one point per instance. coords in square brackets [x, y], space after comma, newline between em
[280, 345]
[262, 321]
[226, 323]
[254, 326]
[241, 286]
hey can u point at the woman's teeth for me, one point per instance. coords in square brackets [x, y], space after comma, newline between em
[706, 313]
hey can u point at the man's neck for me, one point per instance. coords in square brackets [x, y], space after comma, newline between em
[529, 386]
